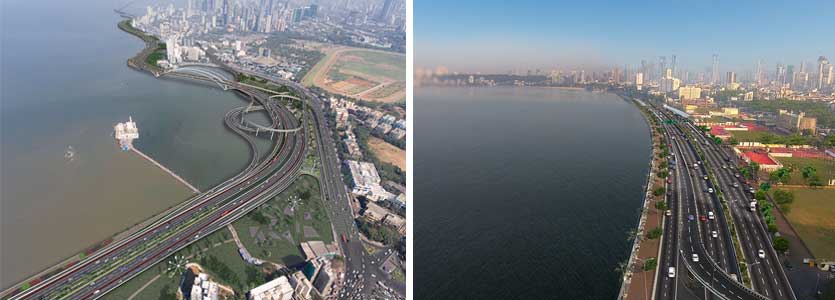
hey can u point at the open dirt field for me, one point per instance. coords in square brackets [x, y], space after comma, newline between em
[388, 152]
[364, 74]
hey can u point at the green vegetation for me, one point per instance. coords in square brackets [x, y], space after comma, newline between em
[219, 268]
[375, 63]
[377, 231]
[662, 205]
[748, 136]
[397, 274]
[818, 110]
[654, 233]
[782, 175]
[659, 191]
[809, 171]
[650, 264]
[784, 199]
[781, 244]
[155, 56]
[272, 225]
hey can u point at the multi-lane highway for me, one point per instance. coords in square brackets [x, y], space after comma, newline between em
[697, 235]
[763, 263]
[364, 274]
[264, 178]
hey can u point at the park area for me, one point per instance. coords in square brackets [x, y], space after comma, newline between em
[369, 75]
[811, 215]
[274, 230]
[824, 168]
[748, 136]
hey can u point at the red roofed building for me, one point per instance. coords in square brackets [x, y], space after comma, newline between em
[766, 162]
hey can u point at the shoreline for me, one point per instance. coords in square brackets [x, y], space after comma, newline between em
[626, 279]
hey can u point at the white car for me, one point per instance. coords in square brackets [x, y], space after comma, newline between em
[705, 177]
[710, 190]
[714, 234]
[710, 215]
[671, 272]
[695, 257]
[761, 253]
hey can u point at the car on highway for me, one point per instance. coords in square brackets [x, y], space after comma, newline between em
[710, 190]
[669, 181]
[695, 257]
[704, 177]
[736, 175]
[668, 213]
[702, 218]
[714, 234]
[736, 185]
[710, 215]
[690, 217]
[671, 272]
[761, 253]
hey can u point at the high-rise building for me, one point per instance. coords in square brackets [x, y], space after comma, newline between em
[824, 73]
[386, 11]
[714, 77]
[662, 66]
[673, 66]
[780, 74]
[759, 77]
[689, 92]
[731, 78]
[639, 79]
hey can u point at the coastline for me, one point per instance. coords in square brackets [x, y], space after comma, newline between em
[626, 279]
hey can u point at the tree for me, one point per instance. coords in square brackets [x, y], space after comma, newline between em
[650, 264]
[782, 175]
[765, 186]
[654, 233]
[783, 196]
[659, 191]
[808, 172]
[759, 195]
[662, 205]
[772, 227]
[781, 244]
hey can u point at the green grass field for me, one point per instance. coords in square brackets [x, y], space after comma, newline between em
[811, 216]
[389, 65]
[825, 168]
[310, 212]
[747, 136]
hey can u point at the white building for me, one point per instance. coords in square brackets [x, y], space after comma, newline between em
[126, 133]
[367, 181]
[277, 289]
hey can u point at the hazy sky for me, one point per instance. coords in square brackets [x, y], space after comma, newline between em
[497, 35]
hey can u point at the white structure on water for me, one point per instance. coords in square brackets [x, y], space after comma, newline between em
[126, 133]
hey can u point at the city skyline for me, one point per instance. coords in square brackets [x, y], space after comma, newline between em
[594, 37]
